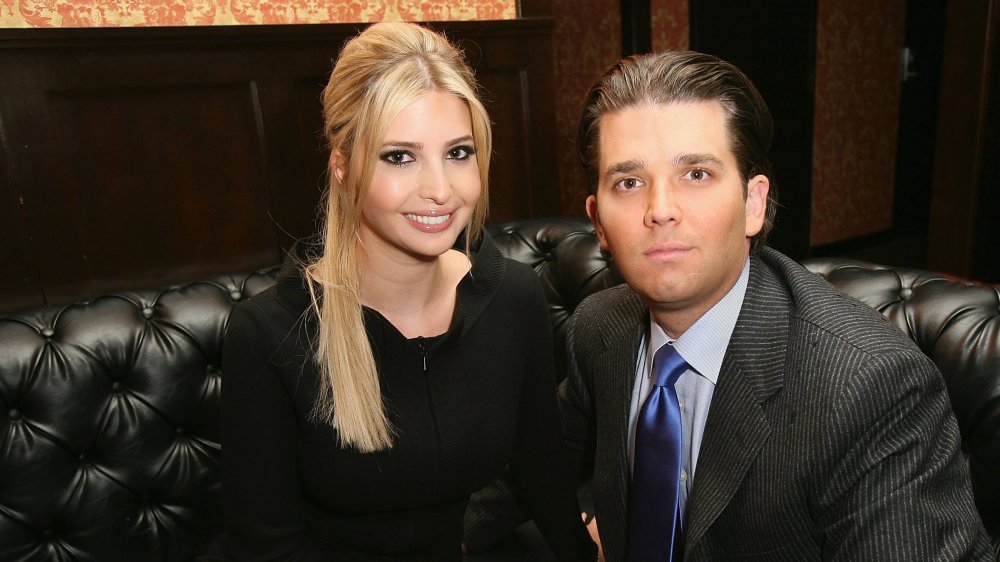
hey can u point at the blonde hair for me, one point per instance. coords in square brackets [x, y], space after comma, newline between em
[378, 73]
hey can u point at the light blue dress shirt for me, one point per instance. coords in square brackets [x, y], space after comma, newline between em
[703, 346]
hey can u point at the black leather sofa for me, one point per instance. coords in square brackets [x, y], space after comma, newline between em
[109, 418]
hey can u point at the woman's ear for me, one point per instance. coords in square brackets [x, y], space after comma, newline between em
[338, 164]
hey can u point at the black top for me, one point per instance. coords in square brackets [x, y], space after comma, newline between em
[464, 405]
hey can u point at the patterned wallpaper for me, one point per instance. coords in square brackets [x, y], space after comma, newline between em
[856, 117]
[126, 13]
[671, 28]
[584, 46]
[856, 107]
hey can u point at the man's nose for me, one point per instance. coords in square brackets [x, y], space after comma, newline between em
[661, 204]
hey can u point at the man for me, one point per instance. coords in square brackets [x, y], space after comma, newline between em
[804, 426]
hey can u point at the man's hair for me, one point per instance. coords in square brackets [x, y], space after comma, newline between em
[668, 77]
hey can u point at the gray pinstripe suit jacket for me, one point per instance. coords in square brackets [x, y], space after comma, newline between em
[830, 435]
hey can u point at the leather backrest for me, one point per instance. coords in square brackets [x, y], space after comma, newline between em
[567, 257]
[109, 420]
[109, 424]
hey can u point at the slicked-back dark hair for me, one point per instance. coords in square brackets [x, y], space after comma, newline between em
[668, 77]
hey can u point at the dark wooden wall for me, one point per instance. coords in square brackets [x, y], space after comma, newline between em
[965, 201]
[139, 157]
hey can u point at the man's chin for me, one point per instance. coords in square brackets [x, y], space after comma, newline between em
[669, 297]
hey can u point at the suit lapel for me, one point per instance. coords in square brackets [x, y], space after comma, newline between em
[737, 427]
[614, 376]
[734, 433]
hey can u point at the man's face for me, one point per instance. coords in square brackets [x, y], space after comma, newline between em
[670, 207]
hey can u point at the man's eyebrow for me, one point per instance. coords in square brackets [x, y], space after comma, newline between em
[626, 167]
[698, 159]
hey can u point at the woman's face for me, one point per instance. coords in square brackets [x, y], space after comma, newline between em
[426, 181]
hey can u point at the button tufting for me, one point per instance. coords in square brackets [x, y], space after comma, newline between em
[83, 458]
[48, 332]
[235, 295]
[180, 432]
[147, 312]
[116, 386]
[906, 293]
[14, 415]
[47, 534]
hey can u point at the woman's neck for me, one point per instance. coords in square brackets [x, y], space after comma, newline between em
[417, 296]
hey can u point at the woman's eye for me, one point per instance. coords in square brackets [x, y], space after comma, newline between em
[397, 157]
[461, 153]
[628, 184]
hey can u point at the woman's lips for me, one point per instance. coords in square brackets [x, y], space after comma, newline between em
[429, 223]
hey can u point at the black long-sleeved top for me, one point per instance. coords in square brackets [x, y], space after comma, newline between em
[463, 405]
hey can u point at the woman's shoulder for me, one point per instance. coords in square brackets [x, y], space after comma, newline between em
[521, 285]
[267, 316]
[520, 274]
[252, 318]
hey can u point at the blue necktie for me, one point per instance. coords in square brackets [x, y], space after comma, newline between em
[656, 469]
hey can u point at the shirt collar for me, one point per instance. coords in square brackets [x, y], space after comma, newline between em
[704, 344]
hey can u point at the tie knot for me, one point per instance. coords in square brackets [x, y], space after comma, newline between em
[667, 366]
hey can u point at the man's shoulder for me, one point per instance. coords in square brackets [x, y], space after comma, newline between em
[618, 298]
[819, 307]
[608, 311]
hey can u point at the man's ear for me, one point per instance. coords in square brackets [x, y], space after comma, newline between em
[338, 164]
[756, 204]
[596, 220]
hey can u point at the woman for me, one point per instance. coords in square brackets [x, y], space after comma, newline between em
[387, 376]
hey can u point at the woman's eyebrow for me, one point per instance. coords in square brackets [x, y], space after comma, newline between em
[405, 144]
[416, 145]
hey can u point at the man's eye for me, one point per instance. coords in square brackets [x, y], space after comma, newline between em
[461, 153]
[699, 175]
[397, 157]
[628, 183]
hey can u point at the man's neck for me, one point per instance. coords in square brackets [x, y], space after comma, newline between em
[677, 318]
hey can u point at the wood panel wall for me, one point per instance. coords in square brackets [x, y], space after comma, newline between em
[965, 202]
[140, 157]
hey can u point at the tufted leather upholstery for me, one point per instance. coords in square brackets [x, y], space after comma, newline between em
[109, 424]
[109, 409]
[567, 257]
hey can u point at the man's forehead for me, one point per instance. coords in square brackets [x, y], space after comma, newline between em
[681, 132]
[683, 106]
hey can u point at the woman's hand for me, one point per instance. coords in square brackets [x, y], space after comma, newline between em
[591, 522]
